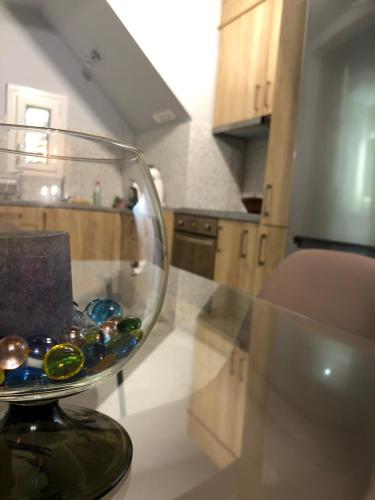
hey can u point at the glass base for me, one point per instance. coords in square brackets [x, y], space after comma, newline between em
[48, 452]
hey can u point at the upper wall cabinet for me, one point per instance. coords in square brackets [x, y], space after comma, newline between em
[249, 38]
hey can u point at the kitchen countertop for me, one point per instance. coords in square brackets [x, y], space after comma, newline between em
[219, 214]
[71, 206]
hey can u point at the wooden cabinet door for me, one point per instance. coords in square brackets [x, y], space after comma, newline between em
[230, 9]
[277, 185]
[275, 15]
[94, 235]
[169, 224]
[270, 252]
[248, 257]
[24, 218]
[242, 67]
[228, 251]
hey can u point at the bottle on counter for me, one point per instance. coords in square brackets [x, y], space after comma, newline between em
[97, 195]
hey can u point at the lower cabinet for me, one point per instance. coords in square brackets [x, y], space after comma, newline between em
[25, 218]
[236, 254]
[217, 406]
[270, 252]
[94, 235]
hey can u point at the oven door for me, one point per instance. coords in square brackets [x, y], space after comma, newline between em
[194, 253]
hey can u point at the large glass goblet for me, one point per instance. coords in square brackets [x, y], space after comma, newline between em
[87, 204]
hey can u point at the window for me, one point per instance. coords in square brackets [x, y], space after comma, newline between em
[28, 106]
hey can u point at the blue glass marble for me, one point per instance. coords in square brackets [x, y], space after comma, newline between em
[121, 344]
[100, 310]
[40, 345]
[25, 375]
[93, 353]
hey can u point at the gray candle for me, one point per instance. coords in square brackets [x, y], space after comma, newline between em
[36, 284]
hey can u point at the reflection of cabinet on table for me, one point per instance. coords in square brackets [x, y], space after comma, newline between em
[217, 406]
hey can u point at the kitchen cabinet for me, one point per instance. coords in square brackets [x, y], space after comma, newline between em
[270, 252]
[278, 176]
[230, 9]
[94, 235]
[247, 63]
[236, 254]
[25, 218]
[217, 405]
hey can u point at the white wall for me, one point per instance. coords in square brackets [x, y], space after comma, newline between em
[181, 40]
[32, 54]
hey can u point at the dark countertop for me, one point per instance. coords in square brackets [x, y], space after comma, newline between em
[219, 214]
[71, 206]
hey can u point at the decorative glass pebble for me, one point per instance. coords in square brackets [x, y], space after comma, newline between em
[109, 330]
[100, 310]
[39, 345]
[63, 361]
[13, 352]
[93, 335]
[2, 376]
[26, 375]
[121, 344]
[129, 323]
[138, 334]
[81, 320]
[73, 336]
[93, 353]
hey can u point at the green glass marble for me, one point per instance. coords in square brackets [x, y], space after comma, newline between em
[129, 323]
[63, 361]
[138, 334]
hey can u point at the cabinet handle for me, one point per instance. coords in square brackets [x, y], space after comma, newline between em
[267, 199]
[218, 250]
[240, 369]
[243, 252]
[256, 97]
[231, 362]
[266, 94]
[262, 241]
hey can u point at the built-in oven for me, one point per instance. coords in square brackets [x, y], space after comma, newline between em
[194, 244]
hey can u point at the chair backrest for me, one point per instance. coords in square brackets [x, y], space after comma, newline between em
[337, 288]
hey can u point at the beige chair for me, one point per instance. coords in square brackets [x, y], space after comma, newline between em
[337, 288]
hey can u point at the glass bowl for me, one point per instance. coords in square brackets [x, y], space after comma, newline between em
[63, 331]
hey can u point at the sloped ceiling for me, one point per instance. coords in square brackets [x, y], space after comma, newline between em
[123, 72]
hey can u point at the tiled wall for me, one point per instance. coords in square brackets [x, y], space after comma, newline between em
[200, 170]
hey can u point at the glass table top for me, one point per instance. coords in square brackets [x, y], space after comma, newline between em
[233, 398]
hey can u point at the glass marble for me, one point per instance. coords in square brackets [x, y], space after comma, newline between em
[13, 352]
[26, 375]
[93, 335]
[2, 376]
[129, 323]
[109, 330]
[100, 310]
[93, 353]
[73, 336]
[39, 345]
[138, 334]
[63, 361]
[121, 344]
[81, 320]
